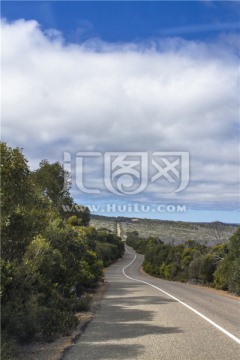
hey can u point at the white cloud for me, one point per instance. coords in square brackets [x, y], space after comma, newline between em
[167, 95]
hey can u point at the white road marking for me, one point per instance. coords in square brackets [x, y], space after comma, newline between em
[233, 337]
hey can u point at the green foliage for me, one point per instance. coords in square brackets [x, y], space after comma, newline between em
[19, 318]
[234, 276]
[82, 303]
[227, 274]
[16, 197]
[83, 216]
[195, 266]
[15, 180]
[52, 180]
[208, 267]
[234, 246]
[109, 246]
[7, 347]
[220, 276]
[56, 319]
[218, 265]
[73, 220]
[50, 258]
[107, 252]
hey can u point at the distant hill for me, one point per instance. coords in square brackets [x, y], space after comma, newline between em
[168, 231]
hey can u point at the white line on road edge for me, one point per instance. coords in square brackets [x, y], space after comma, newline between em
[181, 302]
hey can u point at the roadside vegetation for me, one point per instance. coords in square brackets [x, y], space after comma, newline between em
[50, 259]
[170, 231]
[217, 266]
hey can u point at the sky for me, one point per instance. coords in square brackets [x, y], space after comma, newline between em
[138, 100]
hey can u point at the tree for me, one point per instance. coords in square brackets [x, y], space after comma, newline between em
[81, 215]
[15, 180]
[234, 246]
[16, 198]
[208, 267]
[227, 274]
[51, 181]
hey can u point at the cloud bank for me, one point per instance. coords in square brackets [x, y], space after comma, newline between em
[161, 95]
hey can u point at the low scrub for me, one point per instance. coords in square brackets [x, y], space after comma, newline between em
[217, 266]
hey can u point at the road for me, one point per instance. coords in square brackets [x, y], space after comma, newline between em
[141, 317]
[118, 230]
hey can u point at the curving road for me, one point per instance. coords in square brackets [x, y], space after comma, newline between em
[142, 317]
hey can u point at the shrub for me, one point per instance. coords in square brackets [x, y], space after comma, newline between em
[82, 303]
[19, 320]
[220, 275]
[7, 347]
[54, 322]
[234, 277]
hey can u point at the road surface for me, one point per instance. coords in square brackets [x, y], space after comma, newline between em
[141, 317]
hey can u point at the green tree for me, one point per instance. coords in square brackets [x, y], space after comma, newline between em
[16, 199]
[220, 275]
[227, 274]
[15, 180]
[234, 246]
[52, 181]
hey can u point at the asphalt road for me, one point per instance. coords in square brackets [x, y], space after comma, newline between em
[141, 317]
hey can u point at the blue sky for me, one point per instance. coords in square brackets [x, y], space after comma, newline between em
[133, 77]
[125, 21]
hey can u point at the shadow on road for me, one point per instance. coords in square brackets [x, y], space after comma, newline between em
[93, 351]
[126, 316]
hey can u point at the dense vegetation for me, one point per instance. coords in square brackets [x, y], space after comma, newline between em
[217, 266]
[50, 257]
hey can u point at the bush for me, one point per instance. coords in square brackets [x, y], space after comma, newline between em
[234, 277]
[227, 274]
[7, 347]
[55, 322]
[19, 320]
[220, 276]
[82, 303]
